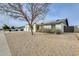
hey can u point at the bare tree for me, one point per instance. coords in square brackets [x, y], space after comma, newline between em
[31, 12]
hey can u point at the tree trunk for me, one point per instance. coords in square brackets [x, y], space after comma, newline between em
[32, 31]
[31, 27]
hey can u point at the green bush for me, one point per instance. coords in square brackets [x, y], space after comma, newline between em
[6, 27]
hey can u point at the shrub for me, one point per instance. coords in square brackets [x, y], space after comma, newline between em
[6, 27]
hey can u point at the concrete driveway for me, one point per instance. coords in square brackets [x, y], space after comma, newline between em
[4, 49]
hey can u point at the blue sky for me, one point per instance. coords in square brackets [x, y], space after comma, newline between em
[69, 11]
[57, 11]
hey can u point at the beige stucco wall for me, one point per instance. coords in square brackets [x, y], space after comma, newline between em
[60, 27]
[46, 27]
[27, 28]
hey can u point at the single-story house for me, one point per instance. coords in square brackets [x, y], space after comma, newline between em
[17, 28]
[52, 26]
[20, 28]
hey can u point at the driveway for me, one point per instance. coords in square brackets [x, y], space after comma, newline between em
[4, 49]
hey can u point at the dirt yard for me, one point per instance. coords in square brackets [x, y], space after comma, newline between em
[42, 44]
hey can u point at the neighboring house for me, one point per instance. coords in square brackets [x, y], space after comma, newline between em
[20, 28]
[69, 29]
[1, 28]
[52, 26]
[76, 28]
[17, 28]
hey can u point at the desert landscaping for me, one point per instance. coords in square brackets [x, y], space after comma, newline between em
[42, 44]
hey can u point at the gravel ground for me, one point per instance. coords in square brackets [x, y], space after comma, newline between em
[42, 44]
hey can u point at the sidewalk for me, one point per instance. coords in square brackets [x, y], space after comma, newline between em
[4, 49]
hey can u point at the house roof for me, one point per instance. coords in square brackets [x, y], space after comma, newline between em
[65, 21]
